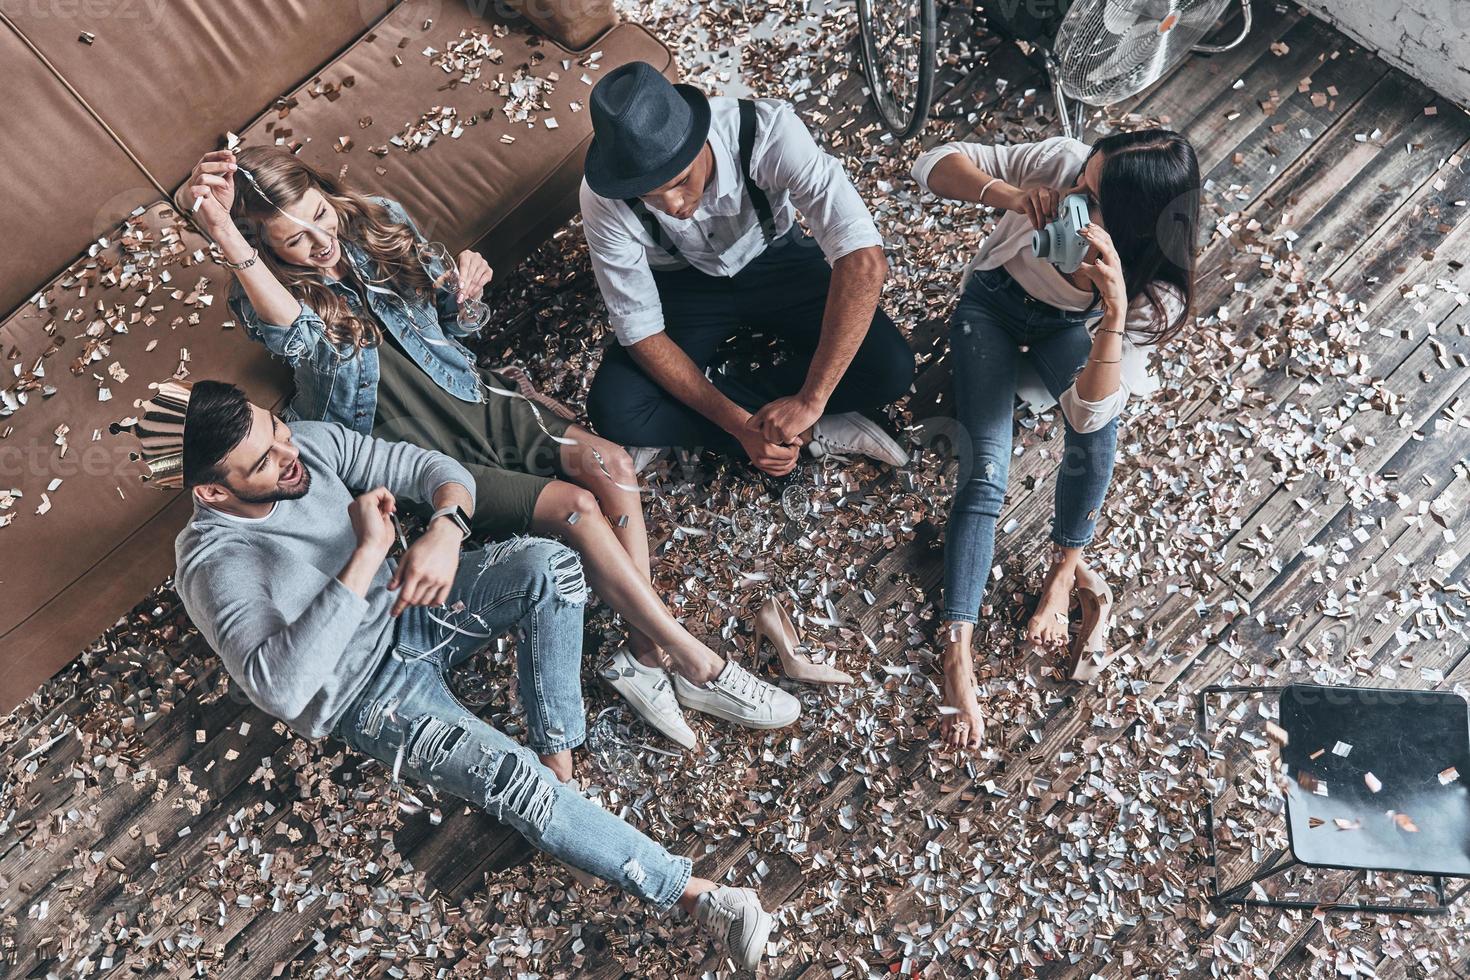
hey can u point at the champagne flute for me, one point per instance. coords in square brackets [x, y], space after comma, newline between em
[441, 267]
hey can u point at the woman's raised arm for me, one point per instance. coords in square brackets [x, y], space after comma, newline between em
[209, 194]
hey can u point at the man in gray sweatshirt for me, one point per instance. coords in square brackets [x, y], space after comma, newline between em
[285, 569]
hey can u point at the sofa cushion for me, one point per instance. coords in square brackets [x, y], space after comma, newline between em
[458, 190]
[111, 324]
[65, 180]
[170, 78]
[574, 24]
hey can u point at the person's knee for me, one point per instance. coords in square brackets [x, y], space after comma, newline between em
[898, 375]
[618, 466]
[561, 572]
[616, 423]
[521, 792]
[570, 505]
[603, 405]
[549, 568]
[983, 490]
[613, 401]
[1092, 451]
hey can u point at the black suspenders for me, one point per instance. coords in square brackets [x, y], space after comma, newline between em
[747, 150]
[758, 199]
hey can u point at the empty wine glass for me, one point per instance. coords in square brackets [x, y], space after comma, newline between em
[616, 757]
[441, 267]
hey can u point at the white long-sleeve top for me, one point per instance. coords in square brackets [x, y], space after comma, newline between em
[1058, 163]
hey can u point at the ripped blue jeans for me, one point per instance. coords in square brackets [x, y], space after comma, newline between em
[409, 720]
[995, 324]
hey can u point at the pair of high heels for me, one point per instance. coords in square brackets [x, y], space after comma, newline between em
[774, 624]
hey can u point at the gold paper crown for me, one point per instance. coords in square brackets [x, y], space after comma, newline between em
[160, 430]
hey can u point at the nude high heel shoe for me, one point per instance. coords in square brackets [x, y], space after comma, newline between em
[774, 624]
[1091, 652]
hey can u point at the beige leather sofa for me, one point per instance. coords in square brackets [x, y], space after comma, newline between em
[109, 104]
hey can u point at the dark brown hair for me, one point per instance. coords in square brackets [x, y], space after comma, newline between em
[217, 418]
[1150, 194]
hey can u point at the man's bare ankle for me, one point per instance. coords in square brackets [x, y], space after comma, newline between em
[956, 653]
[1062, 570]
[957, 676]
[560, 765]
[644, 650]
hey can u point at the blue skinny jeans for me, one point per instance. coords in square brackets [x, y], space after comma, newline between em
[995, 324]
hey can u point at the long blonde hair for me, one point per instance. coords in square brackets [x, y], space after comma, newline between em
[391, 246]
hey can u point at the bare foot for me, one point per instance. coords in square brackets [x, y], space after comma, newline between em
[961, 726]
[1048, 626]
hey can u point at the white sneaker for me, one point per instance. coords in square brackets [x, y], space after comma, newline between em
[738, 695]
[734, 916]
[648, 690]
[851, 432]
[645, 456]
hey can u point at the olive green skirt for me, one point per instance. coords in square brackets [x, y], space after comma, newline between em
[511, 455]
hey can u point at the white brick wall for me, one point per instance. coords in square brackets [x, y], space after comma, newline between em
[1428, 39]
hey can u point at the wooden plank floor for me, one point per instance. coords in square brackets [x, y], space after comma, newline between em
[1306, 455]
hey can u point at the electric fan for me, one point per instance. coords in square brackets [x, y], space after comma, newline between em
[1103, 51]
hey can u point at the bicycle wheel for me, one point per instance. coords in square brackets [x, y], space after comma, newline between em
[898, 40]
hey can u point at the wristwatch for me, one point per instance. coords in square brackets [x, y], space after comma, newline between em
[456, 514]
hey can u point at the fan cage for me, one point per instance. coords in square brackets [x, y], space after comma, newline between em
[1108, 50]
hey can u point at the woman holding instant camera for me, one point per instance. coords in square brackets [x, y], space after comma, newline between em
[1080, 317]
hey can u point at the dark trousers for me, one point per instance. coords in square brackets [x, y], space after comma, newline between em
[780, 294]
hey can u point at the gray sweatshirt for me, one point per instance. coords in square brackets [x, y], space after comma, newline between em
[264, 591]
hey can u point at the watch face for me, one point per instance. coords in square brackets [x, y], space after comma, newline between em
[462, 519]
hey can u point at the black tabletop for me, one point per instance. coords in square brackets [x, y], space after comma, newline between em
[1378, 778]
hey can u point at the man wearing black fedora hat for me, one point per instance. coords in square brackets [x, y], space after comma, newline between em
[689, 205]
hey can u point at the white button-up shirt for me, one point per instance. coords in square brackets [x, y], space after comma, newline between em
[724, 233]
[1057, 163]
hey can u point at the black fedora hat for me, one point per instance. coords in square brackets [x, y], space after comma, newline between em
[645, 130]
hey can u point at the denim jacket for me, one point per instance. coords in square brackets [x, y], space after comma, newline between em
[340, 384]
